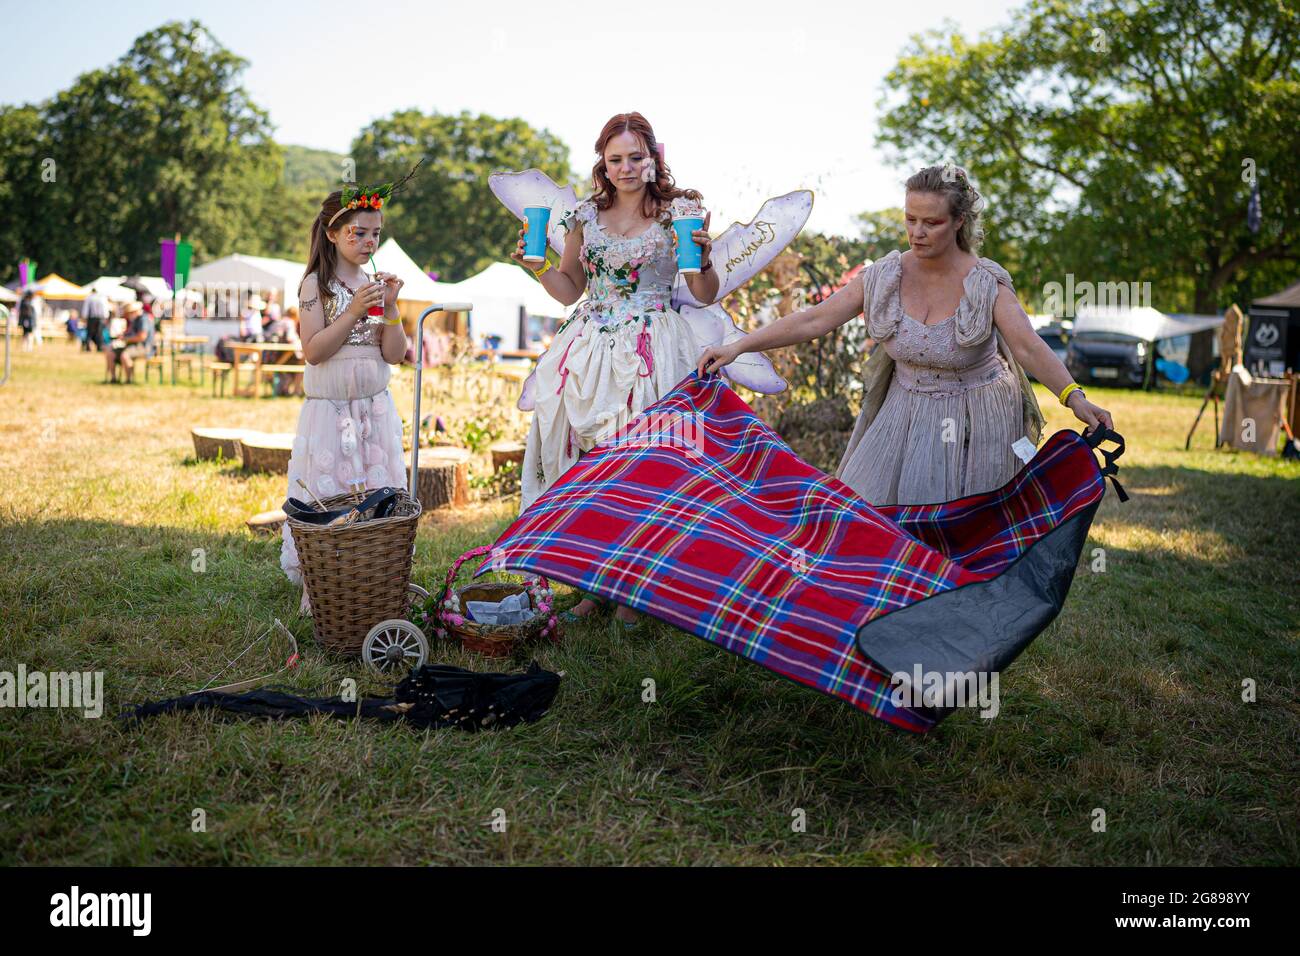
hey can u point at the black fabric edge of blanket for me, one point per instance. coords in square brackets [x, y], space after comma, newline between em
[981, 627]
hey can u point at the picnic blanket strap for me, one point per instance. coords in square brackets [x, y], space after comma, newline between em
[1109, 469]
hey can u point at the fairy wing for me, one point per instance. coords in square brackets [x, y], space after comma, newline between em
[528, 395]
[715, 326]
[533, 187]
[743, 250]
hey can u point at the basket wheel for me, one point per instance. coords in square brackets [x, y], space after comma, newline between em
[418, 594]
[394, 645]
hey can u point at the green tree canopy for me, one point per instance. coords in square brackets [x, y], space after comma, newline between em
[1115, 139]
[446, 217]
[164, 141]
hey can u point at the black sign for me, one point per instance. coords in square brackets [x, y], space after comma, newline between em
[1265, 345]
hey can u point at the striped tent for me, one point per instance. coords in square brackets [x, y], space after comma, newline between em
[699, 514]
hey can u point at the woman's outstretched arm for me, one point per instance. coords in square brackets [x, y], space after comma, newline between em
[802, 326]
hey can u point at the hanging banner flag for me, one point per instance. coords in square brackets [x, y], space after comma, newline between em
[184, 254]
[26, 273]
[174, 262]
[1254, 213]
[167, 261]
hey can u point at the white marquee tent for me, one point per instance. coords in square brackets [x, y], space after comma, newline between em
[416, 284]
[498, 293]
[256, 273]
[111, 288]
[1146, 323]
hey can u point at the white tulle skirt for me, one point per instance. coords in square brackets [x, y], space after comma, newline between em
[592, 381]
[349, 434]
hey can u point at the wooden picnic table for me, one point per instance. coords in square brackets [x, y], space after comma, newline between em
[171, 341]
[253, 357]
[533, 354]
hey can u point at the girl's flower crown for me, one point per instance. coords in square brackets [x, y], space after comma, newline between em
[370, 197]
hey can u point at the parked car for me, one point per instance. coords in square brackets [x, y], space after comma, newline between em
[1107, 358]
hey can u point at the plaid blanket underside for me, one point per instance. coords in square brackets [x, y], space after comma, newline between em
[707, 520]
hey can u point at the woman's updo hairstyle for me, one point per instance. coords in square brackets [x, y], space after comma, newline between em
[964, 200]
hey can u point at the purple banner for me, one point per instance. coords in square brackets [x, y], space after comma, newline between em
[167, 262]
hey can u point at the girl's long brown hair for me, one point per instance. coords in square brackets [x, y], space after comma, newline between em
[660, 192]
[323, 258]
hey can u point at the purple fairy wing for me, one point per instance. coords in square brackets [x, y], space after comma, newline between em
[743, 250]
[528, 395]
[715, 326]
[532, 187]
[709, 324]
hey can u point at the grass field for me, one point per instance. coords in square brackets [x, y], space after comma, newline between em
[1130, 702]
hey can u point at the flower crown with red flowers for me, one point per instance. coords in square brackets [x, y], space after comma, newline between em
[370, 197]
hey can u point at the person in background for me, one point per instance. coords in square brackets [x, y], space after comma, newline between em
[27, 318]
[111, 333]
[273, 306]
[138, 340]
[95, 312]
[250, 322]
[284, 331]
[72, 323]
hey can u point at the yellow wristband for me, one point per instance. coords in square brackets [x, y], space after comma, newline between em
[1065, 392]
[542, 271]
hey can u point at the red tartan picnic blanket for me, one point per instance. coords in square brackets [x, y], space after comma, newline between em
[699, 514]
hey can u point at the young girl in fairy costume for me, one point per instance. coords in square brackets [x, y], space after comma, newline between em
[349, 433]
[624, 347]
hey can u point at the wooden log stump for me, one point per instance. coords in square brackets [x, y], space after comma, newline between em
[267, 451]
[507, 451]
[266, 522]
[443, 481]
[217, 442]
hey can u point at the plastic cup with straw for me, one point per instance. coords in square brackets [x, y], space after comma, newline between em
[375, 309]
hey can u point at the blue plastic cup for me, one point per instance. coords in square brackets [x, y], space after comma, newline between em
[690, 257]
[538, 218]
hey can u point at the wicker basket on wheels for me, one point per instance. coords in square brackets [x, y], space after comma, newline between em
[450, 615]
[357, 574]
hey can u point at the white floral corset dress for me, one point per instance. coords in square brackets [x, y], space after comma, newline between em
[623, 348]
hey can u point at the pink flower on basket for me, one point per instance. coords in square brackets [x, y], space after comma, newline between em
[456, 619]
[634, 276]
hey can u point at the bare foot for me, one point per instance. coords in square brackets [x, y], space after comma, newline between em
[584, 607]
[626, 615]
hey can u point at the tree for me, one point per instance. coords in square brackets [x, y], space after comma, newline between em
[164, 141]
[446, 217]
[1114, 137]
[882, 232]
[22, 146]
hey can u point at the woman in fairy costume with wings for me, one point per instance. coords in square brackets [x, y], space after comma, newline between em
[642, 325]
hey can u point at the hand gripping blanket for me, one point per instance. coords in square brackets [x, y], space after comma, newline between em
[699, 514]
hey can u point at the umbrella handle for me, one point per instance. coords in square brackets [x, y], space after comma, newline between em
[419, 369]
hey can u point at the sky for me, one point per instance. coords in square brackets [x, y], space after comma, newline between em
[750, 100]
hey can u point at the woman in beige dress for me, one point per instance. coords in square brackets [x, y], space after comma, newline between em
[946, 402]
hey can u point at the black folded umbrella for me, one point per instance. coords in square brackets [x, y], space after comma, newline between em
[435, 695]
[136, 285]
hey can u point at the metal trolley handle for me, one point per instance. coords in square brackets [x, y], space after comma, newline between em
[419, 370]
